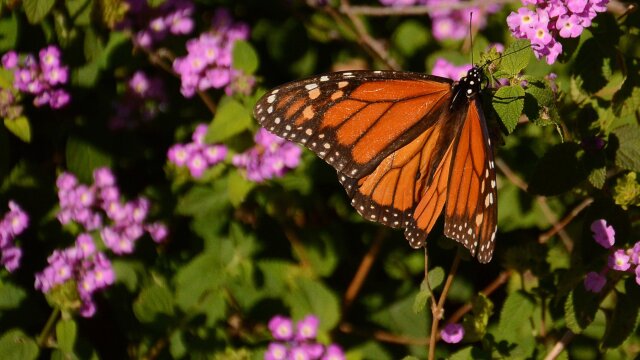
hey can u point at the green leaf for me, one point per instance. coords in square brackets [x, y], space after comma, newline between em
[519, 53]
[177, 347]
[36, 10]
[126, 273]
[508, 103]
[84, 157]
[625, 317]
[153, 301]
[626, 101]
[66, 331]
[201, 200]
[514, 317]
[540, 103]
[628, 152]
[410, 37]
[580, 309]
[558, 171]
[20, 127]
[80, 11]
[15, 345]
[239, 188]
[202, 275]
[598, 176]
[8, 32]
[231, 119]
[436, 277]
[312, 297]
[10, 296]
[475, 323]
[244, 57]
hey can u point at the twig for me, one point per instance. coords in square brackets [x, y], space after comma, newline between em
[437, 312]
[424, 9]
[487, 291]
[560, 345]
[366, 39]
[544, 237]
[542, 202]
[363, 271]
[382, 336]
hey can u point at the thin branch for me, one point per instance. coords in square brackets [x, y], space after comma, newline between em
[423, 9]
[544, 237]
[560, 345]
[542, 202]
[439, 310]
[382, 336]
[487, 291]
[366, 39]
[363, 270]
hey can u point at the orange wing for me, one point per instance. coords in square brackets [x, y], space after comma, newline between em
[471, 215]
[355, 119]
[400, 148]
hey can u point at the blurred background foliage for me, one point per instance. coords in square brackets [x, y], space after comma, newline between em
[240, 252]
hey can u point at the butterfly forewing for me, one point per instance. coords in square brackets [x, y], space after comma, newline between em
[472, 202]
[354, 119]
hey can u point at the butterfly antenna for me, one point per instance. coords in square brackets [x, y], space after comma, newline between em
[471, 36]
[507, 54]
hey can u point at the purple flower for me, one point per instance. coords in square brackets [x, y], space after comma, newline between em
[157, 231]
[603, 234]
[103, 177]
[143, 99]
[12, 224]
[334, 352]
[271, 157]
[552, 20]
[446, 69]
[308, 328]
[208, 60]
[452, 333]
[281, 328]
[619, 260]
[10, 60]
[178, 155]
[594, 282]
[637, 275]
[634, 253]
[85, 245]
[276, 351]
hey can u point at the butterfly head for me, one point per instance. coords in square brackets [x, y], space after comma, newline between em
[471, 83]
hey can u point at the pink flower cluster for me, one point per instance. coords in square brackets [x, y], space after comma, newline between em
[153, 24]
[299, 343]
[197, 155]
[86, 205]
[12, 224]
[208, 63]
[90, 270]
[272, 156]
[625, 260]
[40, 76]
[143, 99]
[551, 20]
[447, 23]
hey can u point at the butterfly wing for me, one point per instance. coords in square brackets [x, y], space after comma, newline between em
[354, 119]
[397, 145]
[471, 213]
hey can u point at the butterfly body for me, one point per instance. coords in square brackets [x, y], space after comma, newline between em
[406, 146]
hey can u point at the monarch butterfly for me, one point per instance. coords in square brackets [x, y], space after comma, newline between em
[406, 146]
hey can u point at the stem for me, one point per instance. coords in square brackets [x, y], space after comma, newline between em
[560, 345]
[437, 312]
[48, 327]
[363, 271]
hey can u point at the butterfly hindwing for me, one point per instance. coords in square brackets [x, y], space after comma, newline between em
[471, 212]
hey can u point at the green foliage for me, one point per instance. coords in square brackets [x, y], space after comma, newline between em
[508, 103]
[567, 152]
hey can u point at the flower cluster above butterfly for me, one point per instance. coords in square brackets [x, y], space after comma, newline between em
[406, 146]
